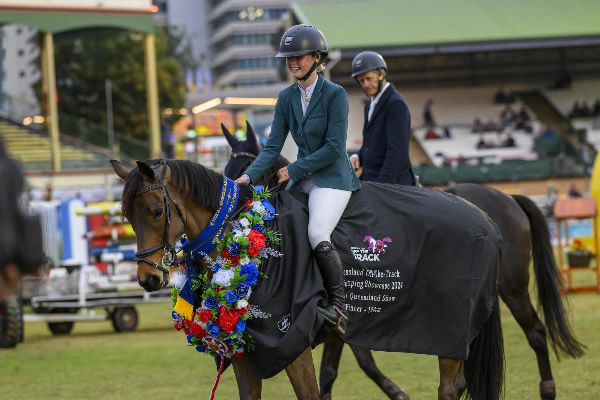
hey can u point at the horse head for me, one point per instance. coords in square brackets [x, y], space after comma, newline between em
[243, 152]
[159, 202]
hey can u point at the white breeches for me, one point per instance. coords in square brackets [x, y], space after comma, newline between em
[325, 208]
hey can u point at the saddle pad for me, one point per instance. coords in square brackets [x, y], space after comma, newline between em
[420, 267]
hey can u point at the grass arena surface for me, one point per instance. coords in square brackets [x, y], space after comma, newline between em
[95, 362]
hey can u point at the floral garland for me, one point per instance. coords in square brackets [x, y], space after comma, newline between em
[218, 326]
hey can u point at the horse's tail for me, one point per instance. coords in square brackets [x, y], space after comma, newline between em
[549, 284]
[484, 369]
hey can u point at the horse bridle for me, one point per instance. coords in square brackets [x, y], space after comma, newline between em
[169, 254]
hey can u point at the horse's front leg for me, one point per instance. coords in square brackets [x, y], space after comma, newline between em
[249, 385]
[302, 376]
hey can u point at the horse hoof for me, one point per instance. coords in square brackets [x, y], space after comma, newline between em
[547, 390]
[393, 391]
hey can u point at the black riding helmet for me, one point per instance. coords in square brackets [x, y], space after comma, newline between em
[303, 39]
[366, 61]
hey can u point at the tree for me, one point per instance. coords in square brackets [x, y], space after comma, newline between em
[85, 59]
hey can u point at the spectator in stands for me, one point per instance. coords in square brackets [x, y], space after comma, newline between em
[481, 144]
[523, 121]
[575, 110]
[383, 155]
[428, 119]
[573, 192]
[586, 111]
[500, 97]
[596, 108]
[507, 117]
[447, 133]
[509, 141]
[490, 126]
[477, 126]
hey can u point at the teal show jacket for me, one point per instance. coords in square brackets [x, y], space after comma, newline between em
[320, 136]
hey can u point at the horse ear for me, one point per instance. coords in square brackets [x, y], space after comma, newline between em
[232, 140]
[145, 169]
[119, 169]
[251, 139]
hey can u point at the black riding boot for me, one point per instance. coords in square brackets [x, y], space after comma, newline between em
[332, 271]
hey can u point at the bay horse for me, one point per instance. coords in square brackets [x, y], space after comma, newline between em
[163, 199]
[525, 237]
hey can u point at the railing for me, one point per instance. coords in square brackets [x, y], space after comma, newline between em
[126, 148]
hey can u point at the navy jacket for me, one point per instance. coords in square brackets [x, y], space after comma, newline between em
[384, 152]
[320, 136]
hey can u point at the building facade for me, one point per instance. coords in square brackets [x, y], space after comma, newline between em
[19, 69]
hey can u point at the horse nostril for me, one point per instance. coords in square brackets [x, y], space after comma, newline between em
[151, 284]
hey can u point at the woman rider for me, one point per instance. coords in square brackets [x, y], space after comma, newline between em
[315, 111]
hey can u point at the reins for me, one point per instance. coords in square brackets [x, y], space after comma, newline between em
[169, 255]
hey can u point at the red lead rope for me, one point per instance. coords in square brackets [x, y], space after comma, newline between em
[214, 389]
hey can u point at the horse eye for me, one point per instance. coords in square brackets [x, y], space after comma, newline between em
[157, 212]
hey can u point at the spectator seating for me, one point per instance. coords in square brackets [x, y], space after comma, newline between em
[33, 150]
[463, 144]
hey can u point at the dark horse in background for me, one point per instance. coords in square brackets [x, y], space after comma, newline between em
[525, 235]
[163, 199]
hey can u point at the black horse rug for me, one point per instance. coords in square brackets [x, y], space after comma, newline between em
[420, 266]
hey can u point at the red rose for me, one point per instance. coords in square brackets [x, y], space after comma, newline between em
[237, 354]
[241, 311]
[204, 316]
[248, 203]
[198, 330]
[222, 308]
[228, 321]
[186, 331]
[253, 250]
[225, 254]
[257, 238]
[178, 325]
[234, 260]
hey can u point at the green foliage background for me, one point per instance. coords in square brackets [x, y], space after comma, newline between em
[85, 59]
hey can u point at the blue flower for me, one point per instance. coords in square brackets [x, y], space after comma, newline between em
[201, 349]
[241, 326]
[230, 297]
[211, 302]
[213, 330]
[217, 267]
[176, 316]
[242, 290]
[259, 188]
[251, 273]
[190, 337]
[234, 249]
[259, 228]
[229, 341]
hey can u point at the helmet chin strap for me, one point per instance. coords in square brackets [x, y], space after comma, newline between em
[315, 65]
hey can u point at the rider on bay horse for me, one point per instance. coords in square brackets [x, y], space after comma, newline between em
[315, 111]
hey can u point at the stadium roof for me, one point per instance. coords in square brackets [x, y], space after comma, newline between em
[459, 24]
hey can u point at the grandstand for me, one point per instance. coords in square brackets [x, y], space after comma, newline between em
[33, 150]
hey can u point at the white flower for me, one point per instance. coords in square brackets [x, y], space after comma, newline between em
[241, 304]
[244, 260]
[258, 208]
[237, 232]
[223, 277]
[244, 222]
[246, 231]
[180, 281]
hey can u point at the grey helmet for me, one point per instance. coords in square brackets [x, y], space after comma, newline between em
[366, 61]
[302, 39]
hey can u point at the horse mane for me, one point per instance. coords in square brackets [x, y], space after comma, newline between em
[201, 183]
